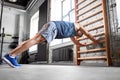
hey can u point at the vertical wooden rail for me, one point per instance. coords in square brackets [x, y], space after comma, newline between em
[77, 54]
[106, 32]
[77, 47]
[76, 12]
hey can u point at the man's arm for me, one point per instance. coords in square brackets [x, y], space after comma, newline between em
[82, 29]
[76, 41]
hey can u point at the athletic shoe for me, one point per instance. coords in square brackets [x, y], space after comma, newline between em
[11, 61]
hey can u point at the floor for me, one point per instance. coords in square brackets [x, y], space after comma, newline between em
[59, 72]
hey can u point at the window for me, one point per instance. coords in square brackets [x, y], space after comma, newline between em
[68, 13]
[62, 10]
[118, 12]
[34, 28]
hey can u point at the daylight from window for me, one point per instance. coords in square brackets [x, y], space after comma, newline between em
[62, 10]
[34, 28]
[118, 11]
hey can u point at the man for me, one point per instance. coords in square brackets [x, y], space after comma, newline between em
[51, 30]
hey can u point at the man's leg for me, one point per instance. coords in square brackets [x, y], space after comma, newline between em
[10, 58]
[27, 44]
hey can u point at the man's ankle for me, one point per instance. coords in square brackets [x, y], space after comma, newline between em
[12, 56]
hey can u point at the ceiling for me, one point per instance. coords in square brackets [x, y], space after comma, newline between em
[22, 4]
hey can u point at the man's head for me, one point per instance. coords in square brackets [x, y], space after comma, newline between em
[79, 33]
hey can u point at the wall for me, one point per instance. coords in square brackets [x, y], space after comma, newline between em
[32, 10]
[55, 15]
[17, 24]
[51, 48]
[42, 8]
[114, 31]
[14, 22]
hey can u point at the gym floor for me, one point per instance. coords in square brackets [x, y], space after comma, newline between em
[59, 72]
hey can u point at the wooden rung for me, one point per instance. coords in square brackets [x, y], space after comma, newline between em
[96, 27]
[91, 8]
[88, 2]
[95, 35]
[91, 43]
[81, 1]
[93, 58]
[92, 21]
[92, 50]
[90, 15]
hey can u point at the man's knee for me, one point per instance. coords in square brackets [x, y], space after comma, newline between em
[39, 39]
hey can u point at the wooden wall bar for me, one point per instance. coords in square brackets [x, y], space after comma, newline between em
[85, 11]
[92, 50]
[88, 2]
[106, 32]
[92, 15]
[95, 35]
[77, 47]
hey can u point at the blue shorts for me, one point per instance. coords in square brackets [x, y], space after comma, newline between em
[49, 31]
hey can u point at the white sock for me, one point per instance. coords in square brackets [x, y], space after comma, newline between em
[11, 56]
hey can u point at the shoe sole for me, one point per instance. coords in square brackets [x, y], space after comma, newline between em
[9, 63]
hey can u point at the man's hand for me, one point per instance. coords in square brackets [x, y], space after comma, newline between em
[86, 33]
[82, 44]
[77, 42]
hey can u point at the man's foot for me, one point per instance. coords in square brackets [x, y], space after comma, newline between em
[11, 61]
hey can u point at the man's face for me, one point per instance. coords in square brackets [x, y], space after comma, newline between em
[79, 33]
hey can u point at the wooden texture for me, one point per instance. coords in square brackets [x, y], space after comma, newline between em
[104, 26]
[106, 32]
[85, 11]
[92, 50]
[77, 47]
[93, 58]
